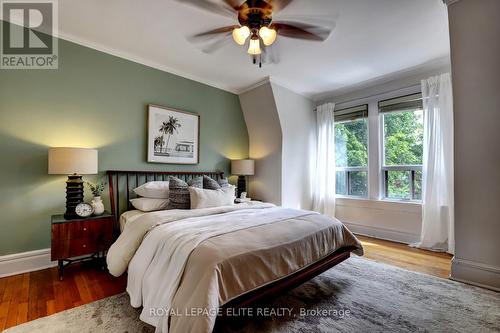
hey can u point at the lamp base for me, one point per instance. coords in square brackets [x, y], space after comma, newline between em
[242, 185]
[74, 195]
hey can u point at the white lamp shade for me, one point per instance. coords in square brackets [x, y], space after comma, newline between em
[254, 47]
[67, 161]
[243, 167]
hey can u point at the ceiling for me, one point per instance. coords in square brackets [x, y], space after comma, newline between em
[371, 39]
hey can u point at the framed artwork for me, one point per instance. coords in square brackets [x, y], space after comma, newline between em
[173, 136]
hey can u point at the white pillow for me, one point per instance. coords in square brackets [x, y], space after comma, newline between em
[155, 190]
[204, 198]
[149, 204]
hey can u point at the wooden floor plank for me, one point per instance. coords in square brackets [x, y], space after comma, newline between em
[32, 295]
[404, 256]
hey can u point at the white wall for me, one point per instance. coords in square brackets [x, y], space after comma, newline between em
[298, 124]
[475, 53]
[282, 131]
[264, 131]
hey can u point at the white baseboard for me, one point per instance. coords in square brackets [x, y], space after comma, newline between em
[475, 273]
[18, 263]
[382, 233]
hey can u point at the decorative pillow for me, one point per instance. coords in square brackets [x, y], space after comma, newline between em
[149, 204]
[156, 190]
[179, 193]
[223, 182]
[203, 198]
[210, 184]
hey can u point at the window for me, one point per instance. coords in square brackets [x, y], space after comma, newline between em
[403, 128]
[351, 151]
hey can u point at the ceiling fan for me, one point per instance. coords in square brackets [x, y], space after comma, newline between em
[256, 25]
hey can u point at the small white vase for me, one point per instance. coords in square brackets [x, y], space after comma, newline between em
[98, 206]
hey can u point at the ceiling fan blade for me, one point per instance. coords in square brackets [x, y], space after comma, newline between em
[218, 8]
[302, 31]
[216, 45]
[211, 41]
[235, 4]
[279, 4]
[223, 30]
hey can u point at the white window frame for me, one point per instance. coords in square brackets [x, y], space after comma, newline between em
[384, 169]
[357, 169]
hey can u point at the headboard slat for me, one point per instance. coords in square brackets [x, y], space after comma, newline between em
[116, 186]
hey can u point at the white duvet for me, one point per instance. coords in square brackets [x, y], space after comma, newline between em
[122, 251]
[156, 269]
[156, 248]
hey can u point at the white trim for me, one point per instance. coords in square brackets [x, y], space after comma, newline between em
[18, 263]
[382, 233]
[140, 60]
[253, 86]
[450, 2]
[475, 273]
[385, 205]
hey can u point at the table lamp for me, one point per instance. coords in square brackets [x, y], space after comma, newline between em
[73, 162]
[242, 168]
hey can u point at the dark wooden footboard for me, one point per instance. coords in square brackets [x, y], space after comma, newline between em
[294, 280]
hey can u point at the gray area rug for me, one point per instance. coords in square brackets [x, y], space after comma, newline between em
[358, 295]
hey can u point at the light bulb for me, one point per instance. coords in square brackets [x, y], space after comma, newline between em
[240, 35]
[254, 48]
[268, 35]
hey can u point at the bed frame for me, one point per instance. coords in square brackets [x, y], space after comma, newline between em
[121, 185]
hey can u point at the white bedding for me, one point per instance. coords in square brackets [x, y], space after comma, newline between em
[129, 217]
[199, 259]
[165, 251]
[122, 251]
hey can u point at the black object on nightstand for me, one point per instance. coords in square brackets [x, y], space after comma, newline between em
[90, 237]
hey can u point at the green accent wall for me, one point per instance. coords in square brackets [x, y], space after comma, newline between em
[94, 100]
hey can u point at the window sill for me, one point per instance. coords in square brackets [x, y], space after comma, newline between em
[383, 204]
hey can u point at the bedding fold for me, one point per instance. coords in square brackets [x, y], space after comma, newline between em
[124, 248]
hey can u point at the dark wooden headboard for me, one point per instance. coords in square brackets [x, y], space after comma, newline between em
[122, 183]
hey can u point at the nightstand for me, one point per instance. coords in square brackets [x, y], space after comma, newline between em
[90, 237]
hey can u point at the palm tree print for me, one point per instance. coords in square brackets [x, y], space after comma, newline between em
[159, 142]
[169, 127]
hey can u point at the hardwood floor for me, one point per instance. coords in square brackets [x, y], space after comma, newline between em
[29, 296]
[401, 255]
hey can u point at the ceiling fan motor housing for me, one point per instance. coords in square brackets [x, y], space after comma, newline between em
[255, 14]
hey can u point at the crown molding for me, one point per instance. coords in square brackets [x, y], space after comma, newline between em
[450, 2]
[253, 86]
[271, 80]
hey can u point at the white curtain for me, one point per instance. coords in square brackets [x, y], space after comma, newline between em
[323, 180]
[437, 182]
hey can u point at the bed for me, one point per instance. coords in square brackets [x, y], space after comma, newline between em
[187, 267]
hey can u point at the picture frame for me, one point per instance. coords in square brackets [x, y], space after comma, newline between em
[173, 136]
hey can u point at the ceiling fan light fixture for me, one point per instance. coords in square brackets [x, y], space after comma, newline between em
[268, 35]
[241, 34]
[254, 48]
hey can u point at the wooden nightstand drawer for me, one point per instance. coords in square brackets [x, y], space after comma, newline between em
[87, 229]
[77, 230]
[82, 246]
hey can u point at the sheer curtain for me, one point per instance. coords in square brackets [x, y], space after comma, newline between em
[437, 183]
[323, 180]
